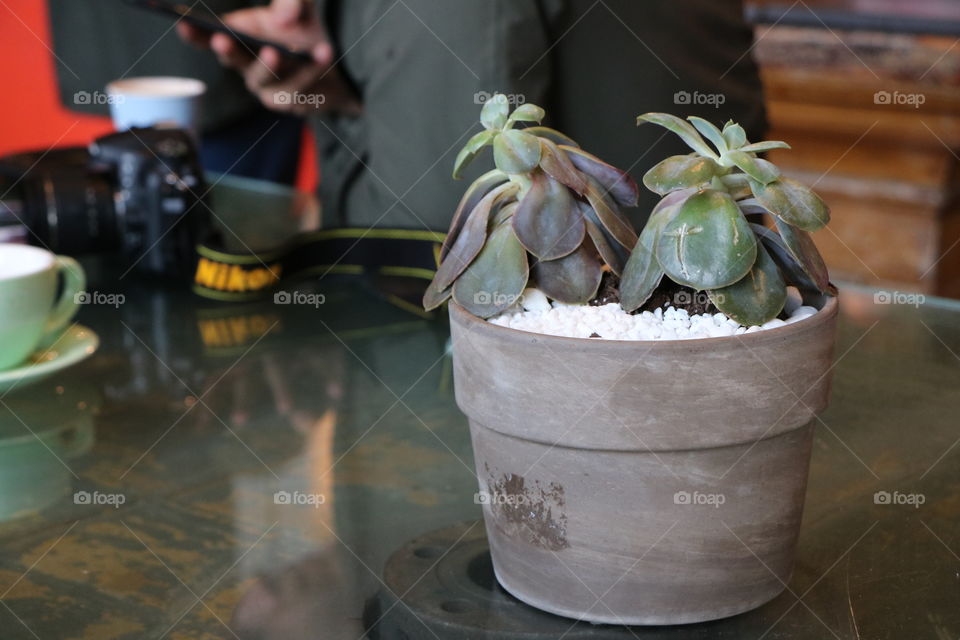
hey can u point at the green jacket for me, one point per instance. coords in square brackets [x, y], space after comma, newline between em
[423, 67]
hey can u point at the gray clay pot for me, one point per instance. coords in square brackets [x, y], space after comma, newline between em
[655, 482]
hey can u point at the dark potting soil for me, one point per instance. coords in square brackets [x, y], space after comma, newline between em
[667, 293]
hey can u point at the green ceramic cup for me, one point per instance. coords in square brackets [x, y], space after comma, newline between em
[31, 313]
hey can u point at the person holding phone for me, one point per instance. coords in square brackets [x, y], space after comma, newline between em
[100, 41]
[395, 86]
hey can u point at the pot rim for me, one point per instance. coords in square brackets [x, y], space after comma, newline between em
[825, 314]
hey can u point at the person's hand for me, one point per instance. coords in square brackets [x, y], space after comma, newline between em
[280, 84]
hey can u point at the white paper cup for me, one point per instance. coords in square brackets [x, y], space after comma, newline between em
[157, 101]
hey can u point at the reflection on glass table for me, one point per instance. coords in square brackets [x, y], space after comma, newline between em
[255, 466]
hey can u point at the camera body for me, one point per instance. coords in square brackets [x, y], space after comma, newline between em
[137, 192]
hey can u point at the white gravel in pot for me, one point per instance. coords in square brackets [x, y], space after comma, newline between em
[536, 314]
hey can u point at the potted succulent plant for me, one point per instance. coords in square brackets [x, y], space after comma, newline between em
[627, 481]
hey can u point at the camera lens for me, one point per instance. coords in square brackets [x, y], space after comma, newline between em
[67, 206]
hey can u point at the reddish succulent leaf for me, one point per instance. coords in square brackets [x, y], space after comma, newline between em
[481, 187]
[434, 297]
[558, 166]
[804, 251]
[610, 257]
[792, 272]
[548, 222]
[573, 279]
[612, 252]
[610, 216]
[504, 215]
[471, 238]
[619, 184]
[495, 280]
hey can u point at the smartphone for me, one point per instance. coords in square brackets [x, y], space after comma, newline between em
[208, 21]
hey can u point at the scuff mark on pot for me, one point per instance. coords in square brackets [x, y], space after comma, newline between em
[529, 511]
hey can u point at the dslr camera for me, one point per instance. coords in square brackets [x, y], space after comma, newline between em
[137, 193]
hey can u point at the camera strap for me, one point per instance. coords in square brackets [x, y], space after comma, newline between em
[238, 277]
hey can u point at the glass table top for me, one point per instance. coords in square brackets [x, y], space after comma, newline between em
[222, 471]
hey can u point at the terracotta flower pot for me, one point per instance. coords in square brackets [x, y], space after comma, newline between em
[655, 482]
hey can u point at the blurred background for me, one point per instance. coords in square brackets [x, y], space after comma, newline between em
[866, 91]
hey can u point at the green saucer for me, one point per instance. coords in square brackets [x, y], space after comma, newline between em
[77, 343]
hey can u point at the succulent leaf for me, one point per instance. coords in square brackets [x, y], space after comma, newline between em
[495, 112]
[734, 135]
[474, 194]
[617, 183]
[612, 252]
[790, 269]
[756, 298]
[804, 251]
[471, 239]
[757, 168]
[766, 145]
[708, 244]
[495, 280]
[610, 216]
[434, 297]
[556, 163]
[573, 279]
[680, 172]
[603, 247]
[710, 132]
[643, 272]
[794, 203]
[548, 222]
[470, 150]
[527, 113]
[737, 184]
[552, 135]
[751, 206]
[516, 152]
[683, 129]
[504, 215]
